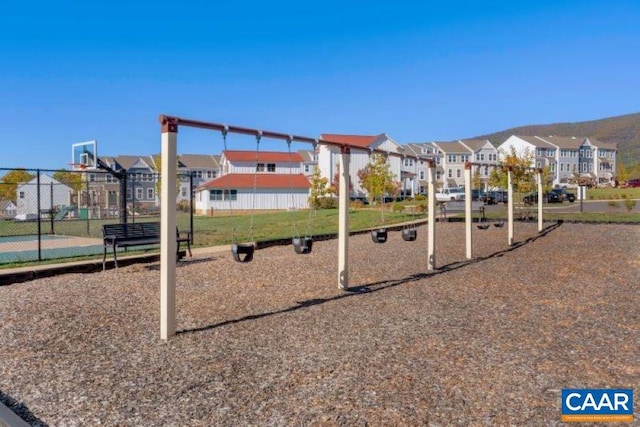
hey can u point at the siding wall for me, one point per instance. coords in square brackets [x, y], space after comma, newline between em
[265, 199]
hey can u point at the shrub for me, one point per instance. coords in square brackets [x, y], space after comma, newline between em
[356, 204]
[420, 198]
[623, 195]
[421, 208]
[613, 204]
[327, 203]
[629, 204]
[397, 207]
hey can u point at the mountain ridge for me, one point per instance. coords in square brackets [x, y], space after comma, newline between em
[624, 131]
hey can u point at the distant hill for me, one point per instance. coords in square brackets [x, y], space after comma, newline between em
[621, 130]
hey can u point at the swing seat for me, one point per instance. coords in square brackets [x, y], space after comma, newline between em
[498, 224]
[484, 225]
[242, 252]
[379, 235]
[409, 234]
[302, 245]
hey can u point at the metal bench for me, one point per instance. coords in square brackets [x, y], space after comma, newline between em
[137, 234]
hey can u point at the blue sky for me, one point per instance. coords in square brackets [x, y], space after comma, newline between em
[417, 70]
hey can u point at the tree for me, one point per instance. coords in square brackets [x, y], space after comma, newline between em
[319, 188]
[157, 160]
[522, 173]
[70, 179]
[335, 184]
[376, 178]
[10, 181]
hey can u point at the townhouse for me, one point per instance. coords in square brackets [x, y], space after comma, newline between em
[569, 159]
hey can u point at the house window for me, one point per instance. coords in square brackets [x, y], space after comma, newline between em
[271, 167]
[184, 191]
[150, 194]
[458, 173]
[307, 168]
[481, 157]
[422, 175]
[538, 152]
[139, 193]
[260, 167]
[549, 152]
[21, 195]
[561, 167]
[449, 173]
[223, 195]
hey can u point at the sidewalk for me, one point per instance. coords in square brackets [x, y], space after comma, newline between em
[24, 274]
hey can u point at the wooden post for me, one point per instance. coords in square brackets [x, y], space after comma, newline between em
[467, 209]
[168, 230]
[343, 220]
[540, 197]
[431, 211]
[510, 204]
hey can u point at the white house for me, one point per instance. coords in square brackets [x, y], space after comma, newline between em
[568, 158]
[8, 209]
[53, 194]
[255, 181]
[361, 149]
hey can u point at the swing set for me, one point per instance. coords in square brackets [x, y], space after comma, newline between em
[243, 252]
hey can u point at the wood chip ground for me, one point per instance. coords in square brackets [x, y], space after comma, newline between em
[490, 341]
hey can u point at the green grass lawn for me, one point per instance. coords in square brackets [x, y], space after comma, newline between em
[613, 193]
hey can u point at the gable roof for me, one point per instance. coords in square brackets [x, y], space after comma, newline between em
[476, 144]
[566, 142]
[261, 156]
[602, 144]
[451, 147]
[247, 180]
[363, 141]
[199, 161]
[535, 141]
[306, 155]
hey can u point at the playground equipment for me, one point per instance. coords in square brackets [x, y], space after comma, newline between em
[169, 140]
[242, 252]
[302, 245]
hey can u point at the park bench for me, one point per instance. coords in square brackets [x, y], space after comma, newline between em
[137, 234]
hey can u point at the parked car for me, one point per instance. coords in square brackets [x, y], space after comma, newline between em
[496, 196]
[551, 197]
[565, 194]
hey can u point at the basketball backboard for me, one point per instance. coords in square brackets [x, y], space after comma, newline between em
[84, 155]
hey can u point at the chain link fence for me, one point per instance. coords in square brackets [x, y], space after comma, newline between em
[48, 215]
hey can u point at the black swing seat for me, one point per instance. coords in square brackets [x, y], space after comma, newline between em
[379, 235]
[409, 234]
[302, 245]
[484, 225]
[499, 224]
[243, 252]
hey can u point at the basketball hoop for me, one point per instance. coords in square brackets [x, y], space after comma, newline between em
[81, 166]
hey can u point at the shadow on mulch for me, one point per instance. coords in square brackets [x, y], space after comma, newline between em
[21, 410]
[376, 286]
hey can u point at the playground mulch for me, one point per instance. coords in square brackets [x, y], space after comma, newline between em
[488, 341]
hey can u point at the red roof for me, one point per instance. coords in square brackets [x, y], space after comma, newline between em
[266, 180]
[263, 156]
[363, 141]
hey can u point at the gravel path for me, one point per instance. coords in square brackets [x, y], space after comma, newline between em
[274, 342]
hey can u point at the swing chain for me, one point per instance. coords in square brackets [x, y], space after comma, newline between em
[234, 237]
[255, 184]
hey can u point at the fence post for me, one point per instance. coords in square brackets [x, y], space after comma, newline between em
[192, 198]
[51, 207]
[123, 196]
[38, 215]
